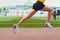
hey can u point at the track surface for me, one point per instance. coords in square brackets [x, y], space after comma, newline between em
[30, 34]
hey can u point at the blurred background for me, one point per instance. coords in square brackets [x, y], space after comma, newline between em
[11, 11]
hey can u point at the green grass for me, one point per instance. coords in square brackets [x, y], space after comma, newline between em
[34, 22]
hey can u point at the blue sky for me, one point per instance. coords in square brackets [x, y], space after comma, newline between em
[21, 2]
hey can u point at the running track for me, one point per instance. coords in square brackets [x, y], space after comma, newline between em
[30, 34]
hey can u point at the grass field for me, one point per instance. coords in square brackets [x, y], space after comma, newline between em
[34, 22]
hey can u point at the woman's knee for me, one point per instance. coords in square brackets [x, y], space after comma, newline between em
[50, 11]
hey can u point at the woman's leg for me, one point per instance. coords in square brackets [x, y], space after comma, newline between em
[27, 16]
[24, 19]
[50, 11]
